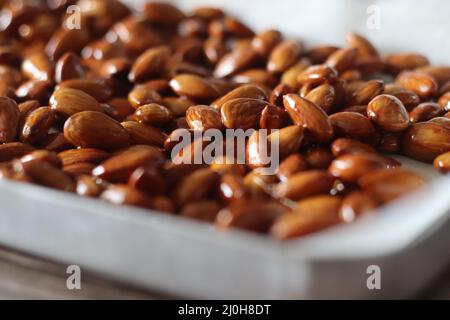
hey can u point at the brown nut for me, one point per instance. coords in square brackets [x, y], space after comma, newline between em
[312, 214]
[420, 83]
[148, 180]
[342, 59]
[153, 114]
[305, 184]
[354, 205]
[343, 146]
[143, 95]
[193, 87]
[310, 116]
[119, 167]
[163, 13]
[353, 125]
[242, 113]
[351, 167]
[367, 92]
[68, 67]
[195, 186]
[249, 91]
[68, 101]
[424, 141]
[284, 55]
[264, 42]
[201, 117]
[426, 111]
[141, 133]
[387, 185]
[124, 195]
[389, 113]
[442, 162]
[37, 124]
[89, 155]
[202, 210]
[405, 61]
[291, 165]
[273, 117]
[91, 129]
[9, 119]
[149, 64]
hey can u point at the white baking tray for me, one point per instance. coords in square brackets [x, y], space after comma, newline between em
[407, 240]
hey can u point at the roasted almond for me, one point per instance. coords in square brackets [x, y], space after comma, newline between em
[405, 61]
[351, 167]
[343, 146]
[9, 119]
[68, 67]
[310, 116]
[305, 184]
[44, 156]
[91, 129]
[89, 155]
[273, 117]
[37, 66]
[244, 91]
[195, 186]
[143, 95]
[342, 59]
[426, 111]
[203, 210]
[124, 195]
[362, 45]
[37, 124]
[317, 74]
[323, 96]
[119, 167]
[193, 87]
[163, 13]
[387, 185]
[149, 64]
[367, 92]
[388, 112]
[240, 58]
[284, 55]
[153, 114]
[312, 214]
[148, 180]
[442, 162]
[201, 117]
[420, 83]
[242, 113]
[424, 141]
[68, 101]
[141, 133]
[353, 125]
[354, 205]
[98, 88]
[264, 42]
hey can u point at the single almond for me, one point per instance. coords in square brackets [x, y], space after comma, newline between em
[141, 133]
[9, 119]
[242, 113]
[68, 101]
[201, 117]
[37, 124]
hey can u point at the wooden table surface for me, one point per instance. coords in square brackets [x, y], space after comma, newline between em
[26, 277]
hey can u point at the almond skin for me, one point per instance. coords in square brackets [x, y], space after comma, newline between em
[90, 155]
[119, 167]
[245, 91]
[264, 42]
[442, 162]
[426, 111]
[193, 87]
[202, 210]
[367, 92]
[195, 186]
[99, 88]
[90, 129]
[343, 146]
[353, 125]
[305, 184]
[149, 64]
[153, 114]
[312, 214]
[323, 96]
[141, 133]
[68, 67]
[242, 113]
[9, 119]
[284, 55]
[11, 150]
[424, 141]
[354, 205]
[420, 83]
[124, 195]
[37, 124]
[68, 101]
[387, 185]
[201, 117]
[389, 113]
[310, 116]
[241, 58]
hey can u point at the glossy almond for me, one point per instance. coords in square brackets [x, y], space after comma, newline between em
[354, 205]
[352, 125]
[367, 92]
[88, 186]
[242, 113]
[11, 150]
[264, 42]
[310, 116]
[291, 165]
[193, 87]
[317, 74]
[195, 186]
[254, 216]
[124, 195]
[163, 13]
[9, 119]
[442, 162]
[47, 175]
[98, 88]
[143, 95]
[153, 114]
[305, 184]
[323, 96]
[405, 61]
[44, 156]
[362, 45]
[148, 180]
[240, 58]
[149, 64]
[68, 67]
[37, 67]
[244, 91]
[273, 117]
[420, 83]
[201, 117]
[141, 133]
[68, 101]
[312, 214]
[37, 124]
[284, 55]
[389, 113]
[351, 167]
[387, 185]
[342, 59]
[203, 210]
[343, 146]
[89, 155]
[119, 167]
[426, 111]
[90, 129]
[424, 141]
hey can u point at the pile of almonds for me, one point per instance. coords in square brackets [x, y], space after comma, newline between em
[94, 111]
